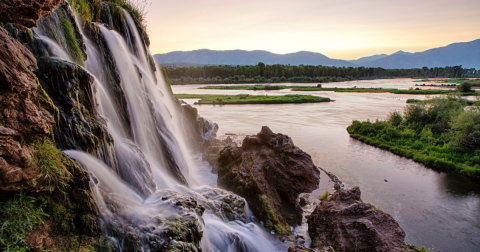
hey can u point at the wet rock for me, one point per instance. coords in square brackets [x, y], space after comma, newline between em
[348, 224]
[79, 126]
[224, 204]
[303, 199]
[270, 172]
[25, 13]
[181, 227]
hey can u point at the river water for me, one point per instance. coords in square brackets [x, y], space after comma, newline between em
[437, 209]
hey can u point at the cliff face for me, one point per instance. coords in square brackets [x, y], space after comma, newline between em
[36, 179]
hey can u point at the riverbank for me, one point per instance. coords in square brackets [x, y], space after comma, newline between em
[252, 99]
[438, 133]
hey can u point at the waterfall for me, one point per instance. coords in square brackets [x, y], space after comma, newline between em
[155, 183]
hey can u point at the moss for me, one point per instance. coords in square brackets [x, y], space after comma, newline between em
[49, 160]
[167, 80]
[268, 215]
[73, 43]
[45, 99]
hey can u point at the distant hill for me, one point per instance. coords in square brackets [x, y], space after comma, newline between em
[466, 54]
[241, 57]
[364, 60]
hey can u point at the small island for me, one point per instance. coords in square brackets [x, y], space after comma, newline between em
[252, 99]
[416, 91]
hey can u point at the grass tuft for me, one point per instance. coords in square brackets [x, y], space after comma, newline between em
[18, 216]
[324, 196]
[49, 160]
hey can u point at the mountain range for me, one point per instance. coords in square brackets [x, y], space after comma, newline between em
[466, 54]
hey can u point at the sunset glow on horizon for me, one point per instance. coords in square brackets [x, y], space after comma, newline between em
[342, 29]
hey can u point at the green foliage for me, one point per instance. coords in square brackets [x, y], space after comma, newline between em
[262, 73]
[49, 160]
[464, 87]
[269, 216]
[438, 132]
[83, 9]
[395, 118]
[423, 248]
[282, 155]
[72, 42]
[18, 216]
[252, 99]
[324, 196]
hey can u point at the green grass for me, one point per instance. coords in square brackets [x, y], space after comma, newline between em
[438, 133]
[334, 89]
[324, 196]
[18, 216]
[252, 99]
[252, 87]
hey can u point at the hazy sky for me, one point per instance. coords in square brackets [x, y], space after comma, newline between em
[345, 29]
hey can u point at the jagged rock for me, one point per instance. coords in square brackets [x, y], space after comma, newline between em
[26, 115]
[224, 204]
[270, 172]
[25, 13]
[302, 248]
[348, 224]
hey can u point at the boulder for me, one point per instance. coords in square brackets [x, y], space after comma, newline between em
[346, 223]
[269, 171]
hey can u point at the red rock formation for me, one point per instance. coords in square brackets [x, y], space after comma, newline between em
[270, 172]
[25, 13]
[25, 115]
[348, 224]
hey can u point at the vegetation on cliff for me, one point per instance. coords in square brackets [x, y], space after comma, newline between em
[252, 99]
[440, 132]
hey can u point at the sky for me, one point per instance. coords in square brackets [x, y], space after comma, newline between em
[342, 29]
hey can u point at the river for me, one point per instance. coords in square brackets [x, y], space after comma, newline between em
[436, 208]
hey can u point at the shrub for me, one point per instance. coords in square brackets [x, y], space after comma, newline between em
[395, 118]
[467, 128]
[464, 87]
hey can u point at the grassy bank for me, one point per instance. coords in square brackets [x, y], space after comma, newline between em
[439, 132]
[252, 99]
[335, 89]
[474, 82]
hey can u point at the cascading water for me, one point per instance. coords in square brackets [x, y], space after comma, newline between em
[155, 185]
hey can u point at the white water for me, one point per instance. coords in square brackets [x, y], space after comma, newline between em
[130, 193]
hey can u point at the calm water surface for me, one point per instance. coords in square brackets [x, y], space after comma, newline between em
[438, 209]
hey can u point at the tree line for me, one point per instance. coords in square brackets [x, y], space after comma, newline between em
[262, 73]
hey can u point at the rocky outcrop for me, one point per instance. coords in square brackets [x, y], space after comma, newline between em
[25, 13]
[26, 115]
[270, 172]
[302, 248]
[348, 224]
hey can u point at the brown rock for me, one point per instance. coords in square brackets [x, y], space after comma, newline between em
[26, 13]
[270, 172]
[25, 115]
[348, 224]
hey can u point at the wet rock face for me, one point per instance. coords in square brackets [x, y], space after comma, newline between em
[348, 224]
[25, 13]
[270, 172]
[25, 115]
[79, 125]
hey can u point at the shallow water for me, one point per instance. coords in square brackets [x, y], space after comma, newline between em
[438, 209]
